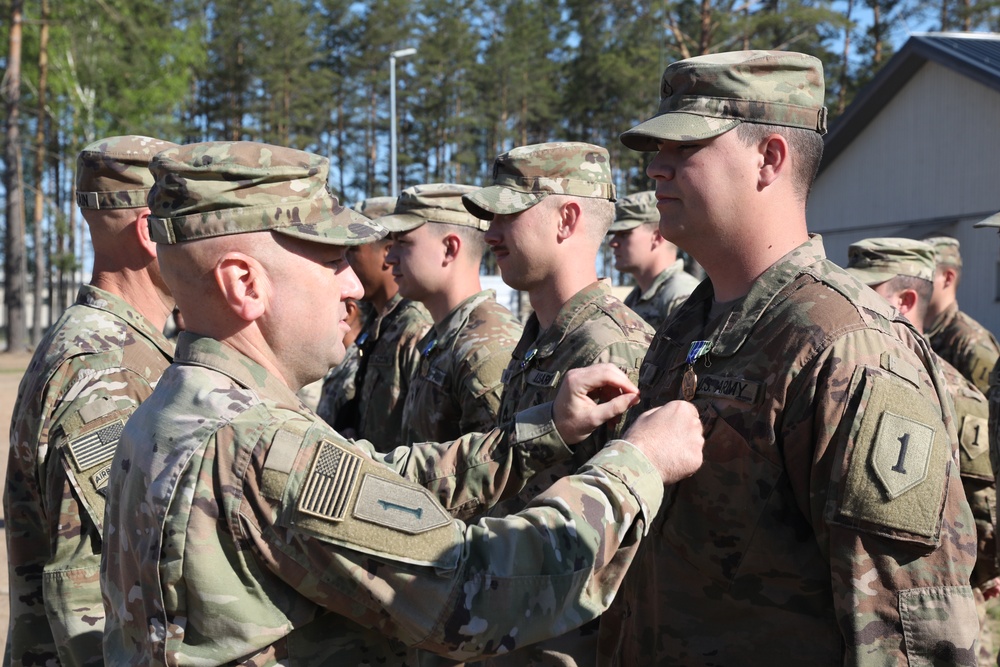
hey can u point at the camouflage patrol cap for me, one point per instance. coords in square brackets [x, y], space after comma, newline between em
[634, 210]
[706, 96]
[946, 250]
[876, 260]
[434, 202]
[114, 172]
[524, 176]
[992, 221]
[218, 188]
[374, 208]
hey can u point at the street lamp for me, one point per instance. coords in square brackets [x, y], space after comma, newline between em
[402, 53]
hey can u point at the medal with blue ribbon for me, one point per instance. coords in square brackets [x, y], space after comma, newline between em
[689, 383]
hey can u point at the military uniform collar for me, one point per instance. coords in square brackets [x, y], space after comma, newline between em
[767, 290]
[943, 320]
[94, 297]
[210, 353]
[664, 275]
[544, 343]
[460, 313]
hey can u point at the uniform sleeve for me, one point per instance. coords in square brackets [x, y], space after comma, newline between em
[55, 516]
[474, 472]
[480, 390]
[627, 355]
[864, 426]
[380, 551]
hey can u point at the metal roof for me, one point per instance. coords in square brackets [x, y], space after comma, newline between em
[975, 55]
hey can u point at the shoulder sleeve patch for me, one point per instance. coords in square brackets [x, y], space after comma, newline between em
[974, 449]
[899, 463]
[89, 452]
[351, 500]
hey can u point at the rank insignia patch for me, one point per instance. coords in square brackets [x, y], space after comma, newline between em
[330, 483]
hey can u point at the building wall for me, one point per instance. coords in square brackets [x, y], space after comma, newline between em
[925, 165]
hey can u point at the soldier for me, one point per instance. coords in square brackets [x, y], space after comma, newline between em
[901, 271]
[337, 405]
[388, 345]
[662, 285]
[958, 338]
[94, 366]
[550, 207]
[247, 530]
[437, 247]
[828, 523]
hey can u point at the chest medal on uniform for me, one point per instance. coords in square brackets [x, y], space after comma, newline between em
[689, 382]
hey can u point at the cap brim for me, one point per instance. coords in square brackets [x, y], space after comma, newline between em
[345, 228]
[401, 222]
[499, 200]
[992, 221]
[624, 225]
[871, 277]
[675, 126]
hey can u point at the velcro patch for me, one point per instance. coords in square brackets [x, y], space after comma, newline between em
[399, 506]
[92, 448]
[903, 369]
[899, 461]
[331, 481]
[436, 376]
[974, 445]
[737, 389]
[100, 479]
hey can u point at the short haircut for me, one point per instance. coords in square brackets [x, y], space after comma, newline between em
[923, 288]
[473, 239]
[806, 145]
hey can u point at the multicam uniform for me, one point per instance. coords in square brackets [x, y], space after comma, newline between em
[972, 413]
[827, 524]
[592, 327]
[93, 367]
[667, 293]
[258, 535]
[339, 392]
[456, 388]
[965, 344]
[389, 358]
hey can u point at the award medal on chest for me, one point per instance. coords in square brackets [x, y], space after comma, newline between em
[689, 381]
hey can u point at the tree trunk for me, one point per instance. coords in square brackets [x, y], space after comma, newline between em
[40, 116]
[15, 263]
[844, 72]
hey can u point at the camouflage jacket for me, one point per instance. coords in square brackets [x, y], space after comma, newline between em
[828, 523]
[670, 289]
[456, 388]
[965, 344]
[972, 420]
[96, 363]
[247, 531]
[389, 358]
[339, 390]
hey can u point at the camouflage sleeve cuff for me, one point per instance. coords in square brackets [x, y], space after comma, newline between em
[535, 427]
[625, 461]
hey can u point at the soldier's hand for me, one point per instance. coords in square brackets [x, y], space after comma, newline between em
[991, 589]
[672, 437]
[590, 396]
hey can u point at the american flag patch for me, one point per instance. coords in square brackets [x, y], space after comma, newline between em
[97, 446]
[330, 483]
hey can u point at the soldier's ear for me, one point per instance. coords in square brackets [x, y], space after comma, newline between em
[570, 215]
[774, 160]
[452, 246]
[244, 285]
[142, 232]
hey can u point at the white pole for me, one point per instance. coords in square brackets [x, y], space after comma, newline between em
[394, 177]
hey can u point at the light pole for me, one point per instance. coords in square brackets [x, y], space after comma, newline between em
[402, 53]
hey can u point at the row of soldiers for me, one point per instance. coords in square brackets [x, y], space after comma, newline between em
[781, 468]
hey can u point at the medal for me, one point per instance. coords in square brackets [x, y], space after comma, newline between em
[689, 382]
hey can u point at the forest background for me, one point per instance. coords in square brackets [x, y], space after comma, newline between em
[487, 75]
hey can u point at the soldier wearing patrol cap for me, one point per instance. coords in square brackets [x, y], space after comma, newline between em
[389, 355]
[248, 531]
[901, 271]
[958, 338]
[549, 208]
[662, 285]
[95, 364]
[828, 524]
[437, 247]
